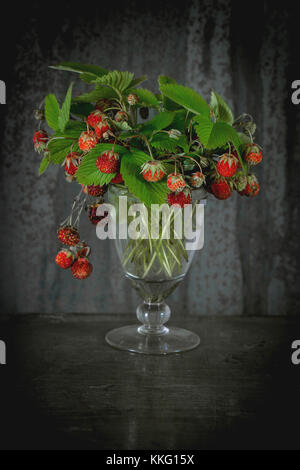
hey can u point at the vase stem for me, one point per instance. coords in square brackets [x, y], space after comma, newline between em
[153, 316]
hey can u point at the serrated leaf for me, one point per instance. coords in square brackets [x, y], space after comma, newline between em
[64, 112]
[179, 121]
[137, 81]
[72, 130]
[117, 80]
[214, 135]
[88, 172]
[162, 142]
[149, 193]
[81, 109]
[146, 97]
[59, 149]
[98, 93]
[44, 165]
[79, 68]
[220, 108]
[164, 80]
[187, 98]
[159, 122]
[168, 104]
[52, 111]
[122, 125]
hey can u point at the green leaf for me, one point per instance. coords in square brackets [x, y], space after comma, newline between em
[88, 172]
[168, 104]
[137, 81]
[214, 135]
[52, 111]
[146, 97]
[115, 79]
[220, 109]
[187, 98]
[64, 113]
[98, 93]
[164, 80]
[81, 109]
[149, 193]
[72, 130]
[162, 142]
[159, 122]
[59, 149]
[79, 68]
[179, 120]
[44, 165]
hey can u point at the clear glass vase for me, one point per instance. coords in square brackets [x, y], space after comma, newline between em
[155, 267]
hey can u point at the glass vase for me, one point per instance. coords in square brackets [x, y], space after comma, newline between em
[155, 267]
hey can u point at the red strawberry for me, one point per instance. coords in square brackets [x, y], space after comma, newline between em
[82, 268]
[64, 258]
[175, 182]
[40, 140]
[108, 162]
[72, 162]
[132, 99]
[92, 213]
[227, 165]
[121, 116]
[97, 190]
[221, 189]
[118, 179]
[253, 155]
[95, 117]
[82, 250]
[252, 187]
[101, 129]
[181, 198]
[103, 104]
[197, 179]
[68, 235]
[153, 171]
[87, 141]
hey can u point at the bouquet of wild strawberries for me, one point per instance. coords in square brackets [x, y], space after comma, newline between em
[105, 137]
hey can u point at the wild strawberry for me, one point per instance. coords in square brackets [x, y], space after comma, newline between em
[72, 162]
[40, 140]
[252, 187]
[221, 189]
[153, 171]
[175, 182]
[227, 165]
[102, 128]
[174, 134]
[82, 250]
[92, 213]
[240, 181]
[253, 155]
[64, 258]
[82, 268]
[95, 117]
[121, 116]
[197, 179]
[132, 99]
[118, 179]
[180, 197]
[87, 141]
[97, 190]
[68, 235]
[108, 162]
[103, 104]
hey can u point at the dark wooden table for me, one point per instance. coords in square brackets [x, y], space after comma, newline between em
[64, 388]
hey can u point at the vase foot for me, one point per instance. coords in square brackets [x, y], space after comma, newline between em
[171, 340]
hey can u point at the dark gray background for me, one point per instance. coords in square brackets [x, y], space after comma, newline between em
[249, 264]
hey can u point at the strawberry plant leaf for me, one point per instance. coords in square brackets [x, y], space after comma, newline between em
[88, 172]
[59, 149]
[52, 111]
[98, 93]
[72, 130]
[146, 97]
[137, 81]
[146, 192]
[169, 105]
[187, 98]
[80, 68]
[117, 80]
[81, 109]
[64, 112]
[44, 164]
[220, 108]
[159, 122]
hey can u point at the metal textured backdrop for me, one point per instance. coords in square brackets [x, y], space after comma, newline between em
[249, 264]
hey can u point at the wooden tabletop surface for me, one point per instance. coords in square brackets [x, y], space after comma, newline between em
[63, 387]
